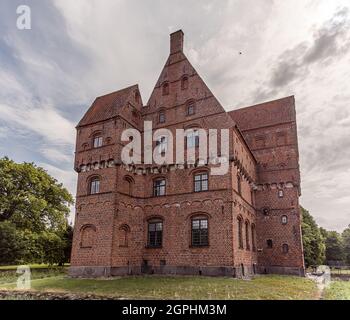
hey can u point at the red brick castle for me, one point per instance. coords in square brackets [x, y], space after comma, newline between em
[178, 218]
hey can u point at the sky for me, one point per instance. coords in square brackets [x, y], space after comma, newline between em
[77, 50]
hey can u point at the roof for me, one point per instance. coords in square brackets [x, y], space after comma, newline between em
[265, 114]
[107, 106]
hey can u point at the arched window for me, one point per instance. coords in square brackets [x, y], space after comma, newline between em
[192, 138]
[165, 89]
[201, 182]
[129, 185]
[123, 235]
[162, 144]
[161, 117]
[85, 146]
[155, 233]
[253, 238]
[191, 108]
[94, 185]
[285, 248]
[284, 219]
[240, 232]
[184, 83]
[239, 184]
[88, 233]
[269, 243]
[280, 193]
[199, 231]
[137, 97]
[97, 141]
[159, 187]
[247, 232]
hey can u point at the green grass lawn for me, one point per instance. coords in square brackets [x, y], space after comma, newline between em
[32, 266]
[340, 271]
[181, 287]
[338, 290]
[10, 276]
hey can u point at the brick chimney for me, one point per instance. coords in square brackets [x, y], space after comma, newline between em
[176, 41]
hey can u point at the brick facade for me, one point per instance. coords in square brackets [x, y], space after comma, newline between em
[259, 192]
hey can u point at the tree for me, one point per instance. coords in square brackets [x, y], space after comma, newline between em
[68, 240]
[334, 247]
[313, 241]
[33, 215]
[31, 199]
[346, 245]
[11, 246]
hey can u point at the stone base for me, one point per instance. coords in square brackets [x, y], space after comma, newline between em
[282, 270]
[225, 271]
[100, 271]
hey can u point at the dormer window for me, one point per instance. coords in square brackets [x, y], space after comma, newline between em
[165, 89]
[97, 141]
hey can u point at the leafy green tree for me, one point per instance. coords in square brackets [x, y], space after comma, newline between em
[313, 241]
[31, 199]
[68, 240]
[33, 215]
[334, 247]
[11, 246]
[346, 245]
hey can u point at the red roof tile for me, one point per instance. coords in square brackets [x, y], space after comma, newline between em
[107, 106]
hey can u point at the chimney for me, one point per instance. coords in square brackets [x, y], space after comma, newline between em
[176, 41]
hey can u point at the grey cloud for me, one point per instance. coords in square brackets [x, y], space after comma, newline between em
[329, 42]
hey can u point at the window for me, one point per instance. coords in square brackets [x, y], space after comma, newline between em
[284, 219]
[94, 185]
[184, 83]
[165, 89]
[240, 233]
[280, 193]
[247, 235]
[192, 139]
[163, 144]
[159, 187]
[137, 97]
[155, 233]
[200, 232]
[97, 141]
[88, 233]
[253, 238]
[269, 244]
[191, 109]
[285, 248]
[239, 184]
[201, 182]
[128, 185]
[161, 117]
[123, 235]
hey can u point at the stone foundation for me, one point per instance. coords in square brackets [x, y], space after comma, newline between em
[282, 270]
